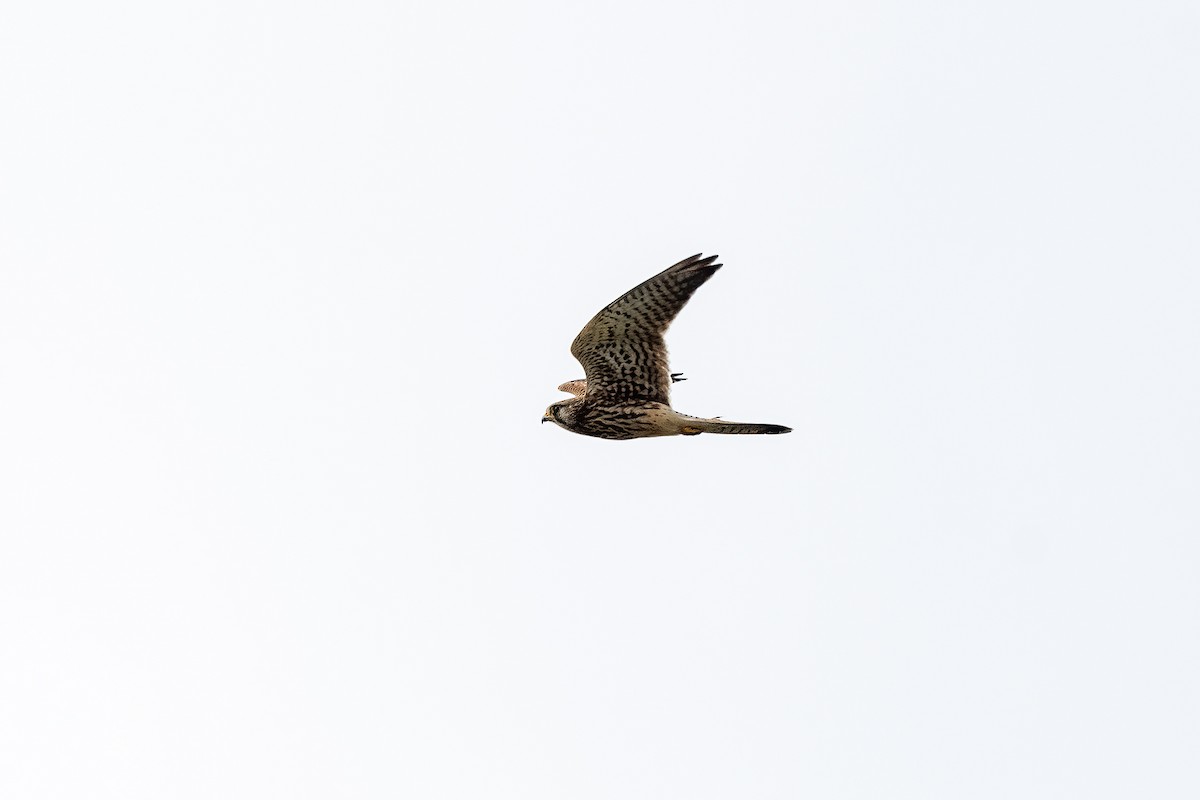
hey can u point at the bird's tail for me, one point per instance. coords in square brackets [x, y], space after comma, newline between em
[695, 426]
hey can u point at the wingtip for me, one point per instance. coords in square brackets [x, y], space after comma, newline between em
[700, 260]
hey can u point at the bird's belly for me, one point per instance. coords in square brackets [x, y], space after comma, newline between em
[629, 421]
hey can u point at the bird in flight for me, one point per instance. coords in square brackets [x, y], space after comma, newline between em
[625, 394]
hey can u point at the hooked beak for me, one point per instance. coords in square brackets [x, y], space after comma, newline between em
[545, 420]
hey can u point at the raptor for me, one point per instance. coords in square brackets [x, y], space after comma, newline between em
[625, 393]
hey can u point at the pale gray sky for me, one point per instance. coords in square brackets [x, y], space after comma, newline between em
[286, 288]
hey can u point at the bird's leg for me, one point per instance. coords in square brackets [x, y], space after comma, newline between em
[676, 377]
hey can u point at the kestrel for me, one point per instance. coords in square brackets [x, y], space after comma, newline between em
[626, 392]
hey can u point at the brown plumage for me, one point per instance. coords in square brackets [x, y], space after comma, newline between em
[626, 394]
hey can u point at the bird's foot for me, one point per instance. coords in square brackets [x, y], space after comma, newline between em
[676, 377]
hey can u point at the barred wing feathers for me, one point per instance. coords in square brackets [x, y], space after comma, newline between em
[622, 349]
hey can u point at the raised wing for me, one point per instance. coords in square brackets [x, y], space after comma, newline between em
[622, 348]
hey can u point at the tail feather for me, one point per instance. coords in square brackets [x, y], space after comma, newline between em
[720, 426]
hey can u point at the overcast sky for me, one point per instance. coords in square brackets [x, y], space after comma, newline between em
[286, 287]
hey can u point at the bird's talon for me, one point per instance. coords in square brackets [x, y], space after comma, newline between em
[676, 377]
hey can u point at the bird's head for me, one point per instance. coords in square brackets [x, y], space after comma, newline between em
[562, 413]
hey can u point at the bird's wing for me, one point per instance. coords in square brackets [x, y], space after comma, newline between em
[576, 387]
[622, 348]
